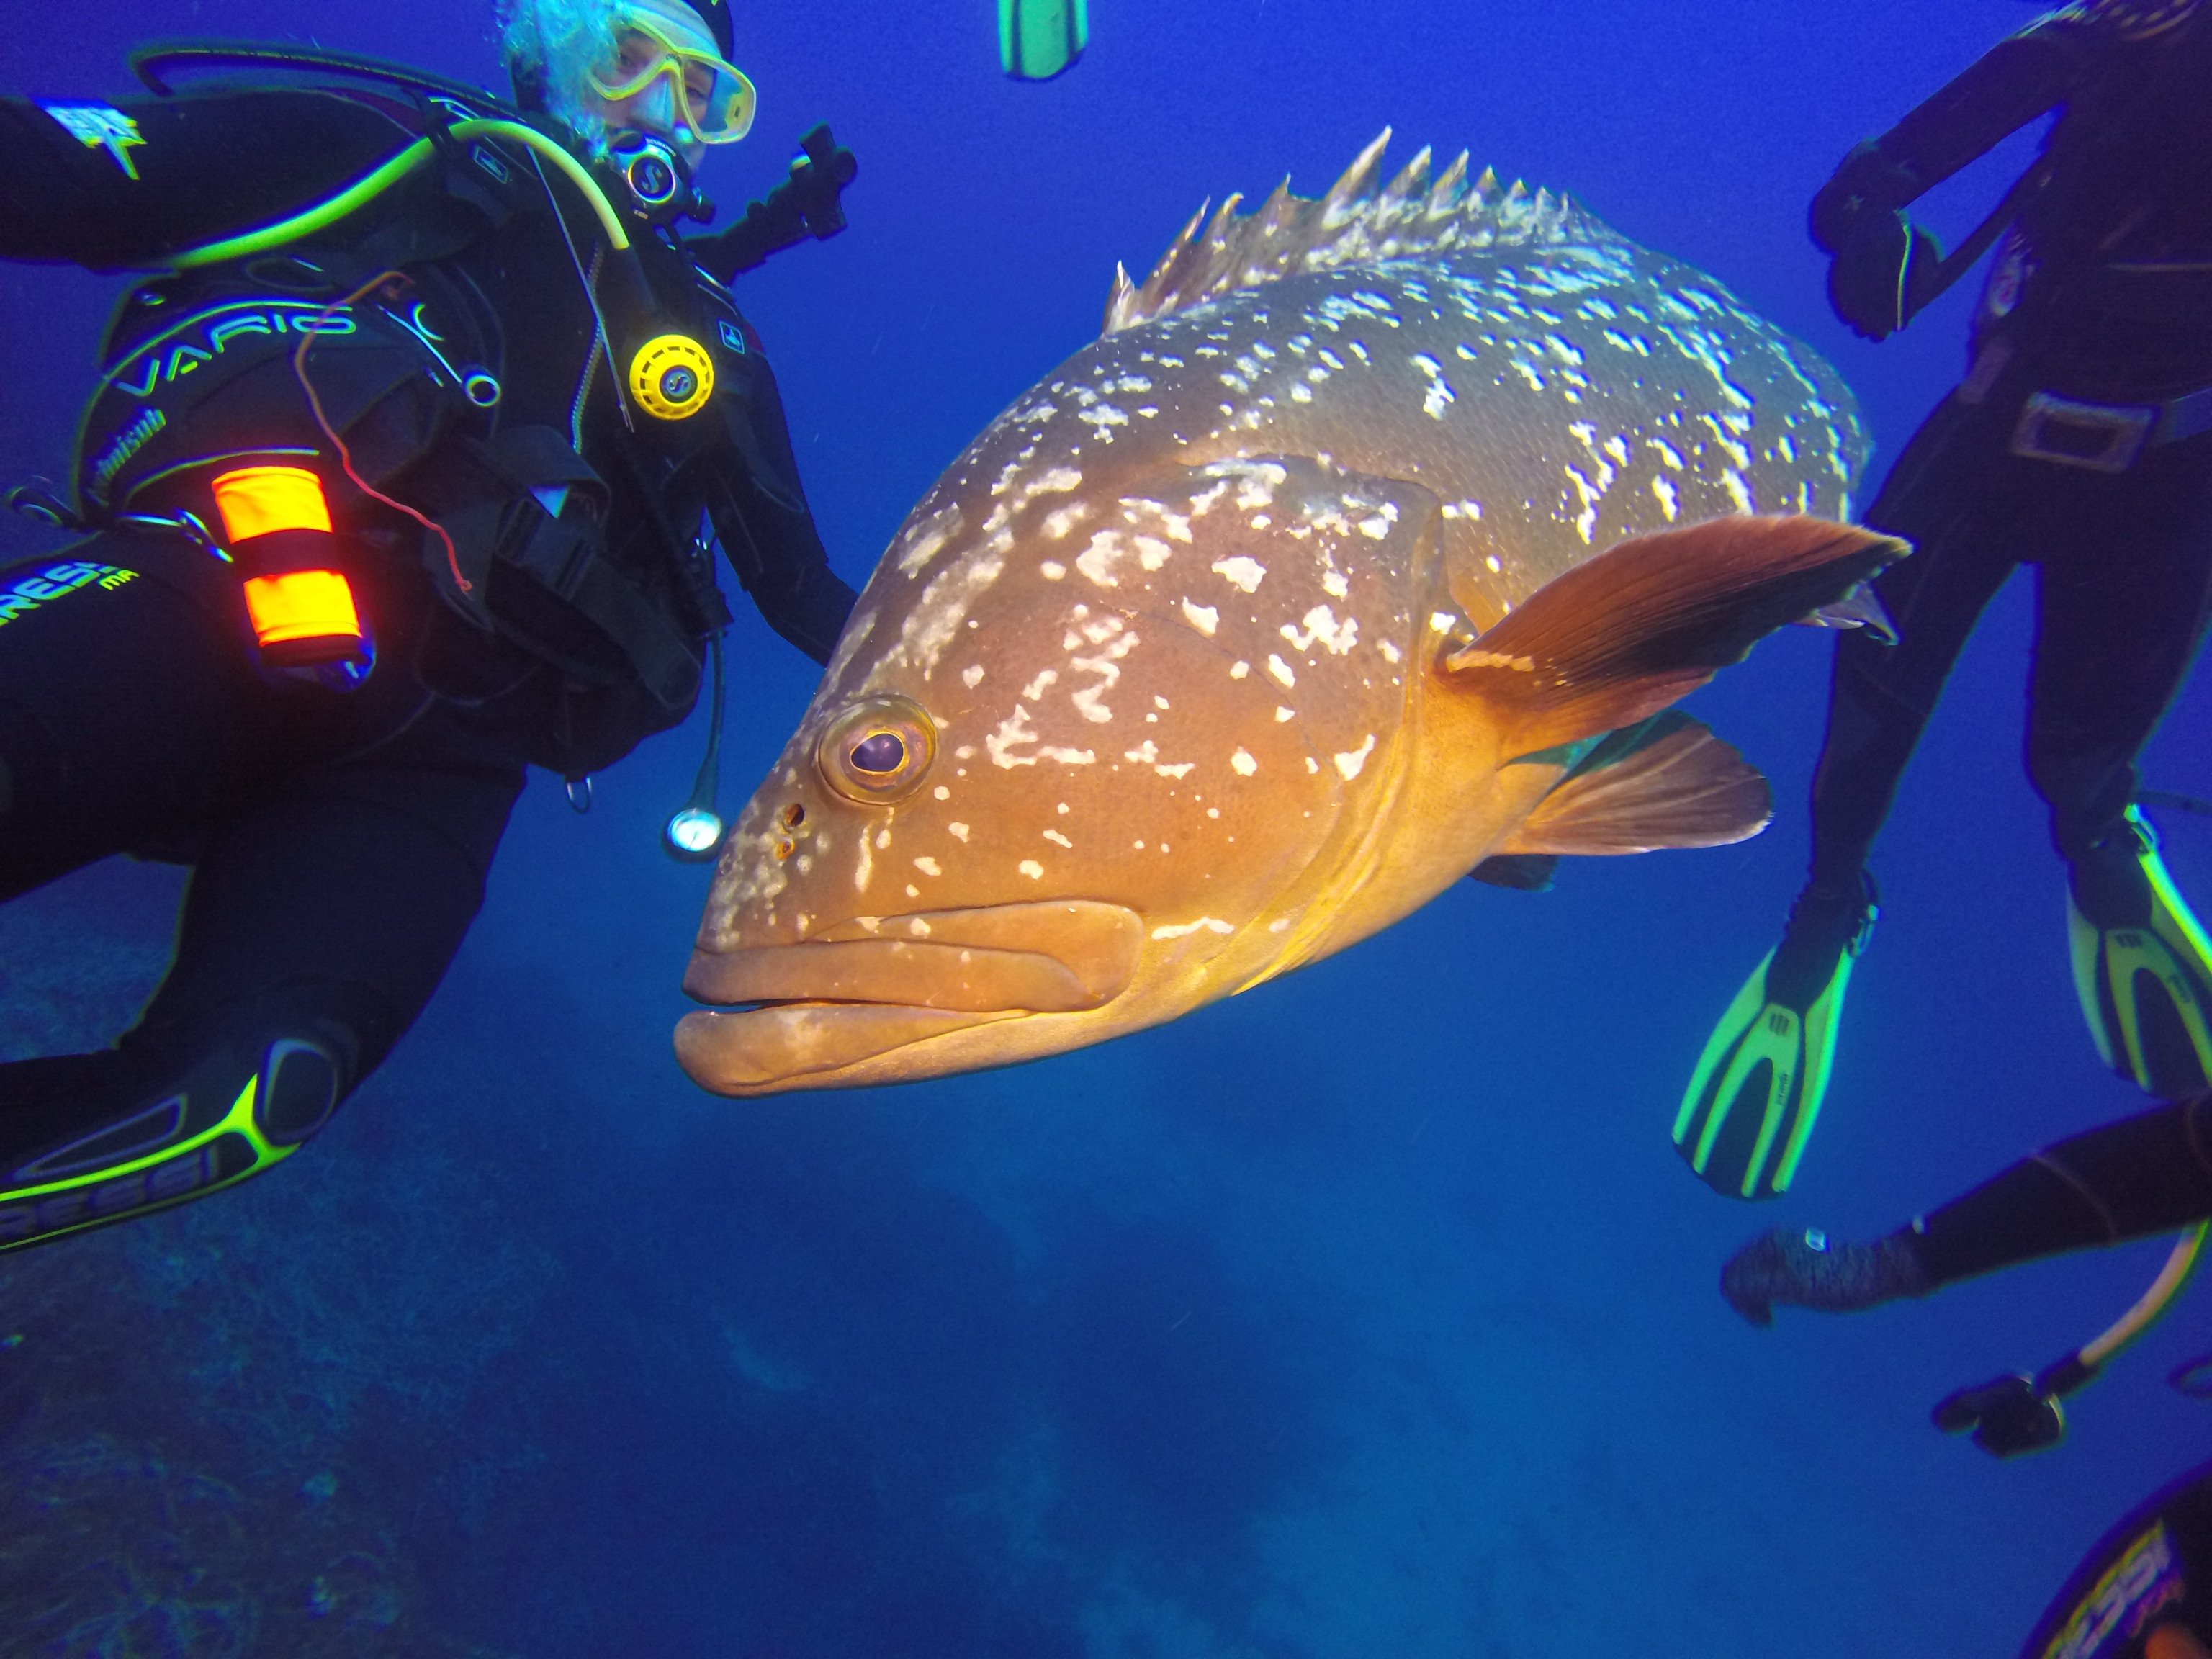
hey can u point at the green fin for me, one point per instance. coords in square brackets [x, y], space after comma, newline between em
[1756, 1093]
[2145, 990]
[1040, 39]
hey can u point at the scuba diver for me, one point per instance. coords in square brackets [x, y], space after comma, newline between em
[2078, 441]
[2131, 1597]
[404, 472]
[2144, 1175]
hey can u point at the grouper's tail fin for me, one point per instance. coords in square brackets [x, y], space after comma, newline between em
[1619, 637]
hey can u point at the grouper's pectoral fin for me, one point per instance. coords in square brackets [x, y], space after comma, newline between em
[1668, 783]
[1617, 639]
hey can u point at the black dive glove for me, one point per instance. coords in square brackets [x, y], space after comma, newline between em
[1883, 268]
[1805, 1269]
[805, 204]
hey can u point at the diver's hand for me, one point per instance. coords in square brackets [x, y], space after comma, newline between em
[807, 203]
[1803, 1269]
[819, 175]
[1865, 184]
[1882, 273]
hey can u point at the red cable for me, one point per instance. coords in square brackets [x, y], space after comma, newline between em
[345, 456]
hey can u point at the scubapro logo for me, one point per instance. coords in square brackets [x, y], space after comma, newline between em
[27, 594]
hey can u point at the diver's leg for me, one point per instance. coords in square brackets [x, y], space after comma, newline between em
[1949, 496]
[318, 921]
[2145, 1174]
[2122, 596]
[1756, 1091]
[128, 705]
[2121, 612]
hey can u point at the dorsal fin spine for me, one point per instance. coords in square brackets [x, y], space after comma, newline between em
[1354, 223]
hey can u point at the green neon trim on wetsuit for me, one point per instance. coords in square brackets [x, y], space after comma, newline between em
[238, 1121]
[367, 189]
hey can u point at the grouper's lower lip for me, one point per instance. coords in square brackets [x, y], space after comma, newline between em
[859, 991]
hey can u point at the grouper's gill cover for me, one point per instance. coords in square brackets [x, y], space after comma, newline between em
[1365, 545]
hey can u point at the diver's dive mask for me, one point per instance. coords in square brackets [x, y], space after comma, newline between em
[704, 98]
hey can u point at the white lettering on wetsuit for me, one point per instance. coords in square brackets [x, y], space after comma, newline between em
[29, 593]
[172, 1179]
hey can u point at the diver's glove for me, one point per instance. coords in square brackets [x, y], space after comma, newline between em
[807, 203]
[1883, 268]
[1883, 273]
[1805, 1269]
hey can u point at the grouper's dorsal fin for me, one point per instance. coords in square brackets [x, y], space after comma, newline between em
[1355, 224]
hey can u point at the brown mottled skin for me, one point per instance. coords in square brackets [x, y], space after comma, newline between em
[1174, 637]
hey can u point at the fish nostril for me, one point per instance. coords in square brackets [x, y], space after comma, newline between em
[784, 846]
[792, 816]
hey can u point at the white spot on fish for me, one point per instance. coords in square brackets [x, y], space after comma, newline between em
[1322, 629]
[1055, 837]
[1052, 570]
[1350, 763]
[1031, 868]
[958, 831]
[1062, 519]
[1204, 617]
[1334, 584]
[1097, 561]
[1102, 420]
[1670, 499]
[1237, 671]
[1281, 670]
[1012, 730]
[1241, 572]
[927, 866]
[1439, 394]
[1107, 666]
[1243, 764]
[926, 539]
[942, 792]
[1036, 688]
[1185, 929]
[1283, 713]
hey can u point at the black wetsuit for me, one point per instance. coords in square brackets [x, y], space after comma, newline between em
[459, 330]
[2144, 1175]
[2100, 298]
[2152, 1572]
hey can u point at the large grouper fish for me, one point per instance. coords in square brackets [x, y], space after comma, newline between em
[1365, 548]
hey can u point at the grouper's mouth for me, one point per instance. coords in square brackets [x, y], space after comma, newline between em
[799, 1014]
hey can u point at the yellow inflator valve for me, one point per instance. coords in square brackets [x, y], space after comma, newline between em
[672, 377]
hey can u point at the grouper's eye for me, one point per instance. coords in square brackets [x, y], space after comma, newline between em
[879, 750]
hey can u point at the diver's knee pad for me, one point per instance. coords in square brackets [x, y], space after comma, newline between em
[233, 1115]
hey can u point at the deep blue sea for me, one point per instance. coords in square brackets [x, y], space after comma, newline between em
[1370, 1313]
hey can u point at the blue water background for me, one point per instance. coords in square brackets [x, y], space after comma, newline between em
[1371, 1313]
